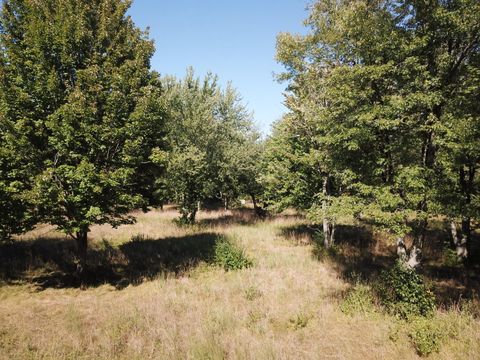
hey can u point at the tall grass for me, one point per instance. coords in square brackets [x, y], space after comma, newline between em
[176, 304]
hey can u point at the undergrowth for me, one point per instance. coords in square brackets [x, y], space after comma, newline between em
[229, 256]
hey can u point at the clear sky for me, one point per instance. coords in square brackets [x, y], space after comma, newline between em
[232, 38]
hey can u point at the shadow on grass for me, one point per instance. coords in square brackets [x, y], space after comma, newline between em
[359, 254]
[51, 263]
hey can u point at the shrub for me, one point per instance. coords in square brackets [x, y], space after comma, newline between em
[358, 300]
[427, 335]
[229, 256]
[404, 294]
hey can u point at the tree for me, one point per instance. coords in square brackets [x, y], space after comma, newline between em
[208, 127]
[372, 90]
[77, 96]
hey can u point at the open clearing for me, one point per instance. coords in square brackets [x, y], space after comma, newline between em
[287, 306]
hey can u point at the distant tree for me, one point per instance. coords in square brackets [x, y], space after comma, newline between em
[79, 109]
[208, 128]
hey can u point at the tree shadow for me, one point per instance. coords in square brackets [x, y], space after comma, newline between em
[361, 254]
[51, 262]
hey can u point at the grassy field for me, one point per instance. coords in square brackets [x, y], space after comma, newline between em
[153, 293]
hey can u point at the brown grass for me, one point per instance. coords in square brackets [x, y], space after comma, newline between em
[285, 307]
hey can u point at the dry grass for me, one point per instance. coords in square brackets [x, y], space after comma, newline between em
[285, 307]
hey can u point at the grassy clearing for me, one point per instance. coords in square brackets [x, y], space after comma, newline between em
[164, 299]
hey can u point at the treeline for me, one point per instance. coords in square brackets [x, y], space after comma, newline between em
[383, 123]
[89, 132]
[384, 119]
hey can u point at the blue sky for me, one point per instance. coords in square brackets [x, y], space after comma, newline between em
[234, 39]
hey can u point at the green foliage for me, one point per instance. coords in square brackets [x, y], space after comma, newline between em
[79, 114]
[212, 141]
[427, 335]
[404, 294]
[358, 300]
[373, 114]
[229, 256]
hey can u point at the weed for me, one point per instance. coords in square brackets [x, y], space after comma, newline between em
[229, 256]
[358, 300]
[252, 293]
[299, 321]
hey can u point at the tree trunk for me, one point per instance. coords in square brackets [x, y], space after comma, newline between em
[460, 243]
[259, 212]
[414, 256]
[401, 249]
[191, 216]
[82, 245]
[415, 253]
[326, 232]
[332, 233]
[328, 227]
[466, 179]
[465, 242]
[254, 201]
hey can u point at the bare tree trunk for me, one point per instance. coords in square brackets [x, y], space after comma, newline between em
[401, 249]
[81, 238]
[414, 256]
[463, 246]
[260, 212]
[332, 233]
[191, 216]
[327, 226]
[415, 253]
[460, 243]
[326, 232]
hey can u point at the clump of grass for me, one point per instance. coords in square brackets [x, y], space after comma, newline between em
[229, 256]
[252, 293]
[358, 300]
[299, 321]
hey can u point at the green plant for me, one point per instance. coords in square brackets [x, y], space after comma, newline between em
[358, 300]
[427, 335]
[404, 294]
[450, 258]
[252, 293]
[299, 321]
[229, 256]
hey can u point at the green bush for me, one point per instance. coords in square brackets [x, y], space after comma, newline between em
[358, 300]
[404, 294]
[427, 336]
[229, 256]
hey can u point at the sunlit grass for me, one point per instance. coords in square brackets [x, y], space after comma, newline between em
[286, 306]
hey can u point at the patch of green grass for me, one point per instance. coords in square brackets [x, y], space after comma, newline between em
[229, 256]
[358, 300]
[252, 293]
[299, 321]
